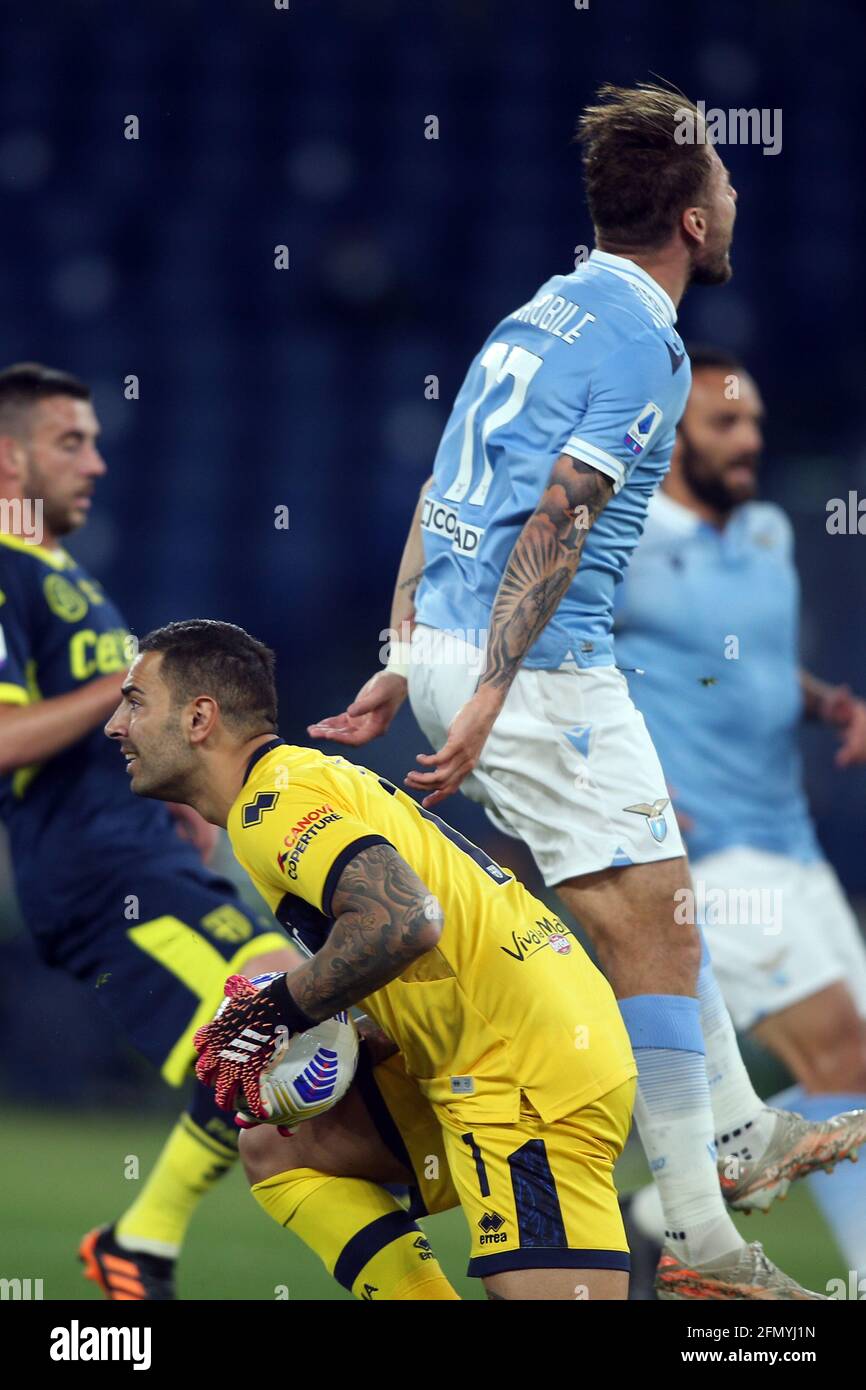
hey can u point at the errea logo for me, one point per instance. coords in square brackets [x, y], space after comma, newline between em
[252, 812]
[77, 1343]
[491, 1224]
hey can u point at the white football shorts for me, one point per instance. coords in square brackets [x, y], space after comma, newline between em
[777, 930]
[569, 767]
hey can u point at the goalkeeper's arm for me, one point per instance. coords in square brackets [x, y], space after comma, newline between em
[385, 918]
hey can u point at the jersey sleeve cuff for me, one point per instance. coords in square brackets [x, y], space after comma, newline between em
[13, 694]
[578, 448]
[346, 855]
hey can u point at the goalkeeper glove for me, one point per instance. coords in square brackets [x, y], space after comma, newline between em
[249, 1033]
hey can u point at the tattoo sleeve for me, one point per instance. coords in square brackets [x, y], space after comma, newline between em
[385, 917]
[542, 564]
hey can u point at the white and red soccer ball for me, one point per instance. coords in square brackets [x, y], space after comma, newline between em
[309, 1072]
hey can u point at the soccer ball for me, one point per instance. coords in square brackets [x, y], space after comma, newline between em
[309, 1072]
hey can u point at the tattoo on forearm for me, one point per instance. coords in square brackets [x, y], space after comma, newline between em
[411, 583]
[542, 565]
[385, 918]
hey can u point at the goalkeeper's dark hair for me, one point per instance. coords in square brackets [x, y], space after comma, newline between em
[203, 656]
[638, 178]
[26, 384]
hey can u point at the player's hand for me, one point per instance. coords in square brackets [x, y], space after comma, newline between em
[190, 826]
[251, 1026]
[847, 713]
[453, 762]
[370, 713]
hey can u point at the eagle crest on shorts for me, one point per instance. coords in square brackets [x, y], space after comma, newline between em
[654, 812]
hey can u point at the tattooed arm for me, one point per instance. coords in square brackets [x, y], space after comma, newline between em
[540, 568]
[385, 918]
[376, 703]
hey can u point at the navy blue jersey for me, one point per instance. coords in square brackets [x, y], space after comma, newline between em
[73, 819]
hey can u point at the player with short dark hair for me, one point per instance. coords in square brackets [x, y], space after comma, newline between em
[112, 893]
[506, 1031]
[204, 654]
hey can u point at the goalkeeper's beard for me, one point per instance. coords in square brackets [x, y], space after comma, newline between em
[167, 775]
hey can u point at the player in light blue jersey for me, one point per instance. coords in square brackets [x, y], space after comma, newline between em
[723, 695]
[560, 433]
[611, 381]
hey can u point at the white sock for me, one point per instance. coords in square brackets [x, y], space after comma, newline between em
[675, 1121]
[646, 1212]
[743, 1125]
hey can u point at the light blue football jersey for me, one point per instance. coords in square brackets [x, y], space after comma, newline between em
[591, 366]
[711, 618]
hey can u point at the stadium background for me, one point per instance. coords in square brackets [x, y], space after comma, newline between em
[305, 388]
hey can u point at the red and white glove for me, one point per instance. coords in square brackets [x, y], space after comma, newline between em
[250, 1029]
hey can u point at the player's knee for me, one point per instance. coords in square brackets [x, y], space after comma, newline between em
[264, 1152]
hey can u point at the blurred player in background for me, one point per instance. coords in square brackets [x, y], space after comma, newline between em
[707, 624]
[561, 431]
[112, 892]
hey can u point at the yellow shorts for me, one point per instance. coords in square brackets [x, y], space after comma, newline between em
[536, 1195]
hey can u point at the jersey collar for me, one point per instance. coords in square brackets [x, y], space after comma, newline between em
[268, 747]
[628, 270]
[682, 521]
[673, 514]
[58, 559]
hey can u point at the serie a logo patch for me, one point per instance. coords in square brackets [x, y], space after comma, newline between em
[642, 428]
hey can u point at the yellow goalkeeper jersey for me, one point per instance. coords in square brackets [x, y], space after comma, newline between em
[507, 1003]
